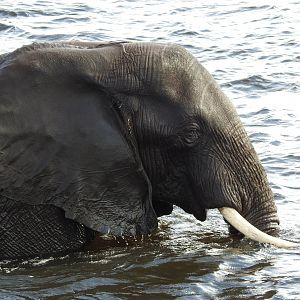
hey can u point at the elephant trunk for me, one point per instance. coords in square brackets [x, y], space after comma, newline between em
[264, 217]
[250, 231]
[258, 219]
[239, 187]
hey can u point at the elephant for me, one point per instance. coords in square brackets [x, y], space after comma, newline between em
[106, 137]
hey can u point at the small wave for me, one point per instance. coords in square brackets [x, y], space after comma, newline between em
[83, 8]
[185, 32]
[50, 37]
[256, 83]
[4, 27]
[245, 9]
[254, 80]
[10, 13]
[66, 19]
[259, 137]
[263, 111]
[7, 13]
[181, 9]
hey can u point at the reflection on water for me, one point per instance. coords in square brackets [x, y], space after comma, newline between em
[253, 52]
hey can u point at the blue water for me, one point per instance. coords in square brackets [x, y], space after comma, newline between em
[252, 48]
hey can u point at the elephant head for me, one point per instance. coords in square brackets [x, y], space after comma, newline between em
[116, 134]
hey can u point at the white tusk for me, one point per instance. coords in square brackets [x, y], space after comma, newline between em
[250, 231]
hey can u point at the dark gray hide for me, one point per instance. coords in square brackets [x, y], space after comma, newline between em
[63, 143]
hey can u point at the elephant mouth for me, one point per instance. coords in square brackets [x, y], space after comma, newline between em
[250, 231]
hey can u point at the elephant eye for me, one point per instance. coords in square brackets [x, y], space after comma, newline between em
[191, 135]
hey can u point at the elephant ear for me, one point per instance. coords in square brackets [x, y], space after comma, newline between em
[62, 144]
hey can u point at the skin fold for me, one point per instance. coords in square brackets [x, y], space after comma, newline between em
[106, 137]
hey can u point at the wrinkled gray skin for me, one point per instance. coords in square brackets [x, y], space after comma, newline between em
[108, 136]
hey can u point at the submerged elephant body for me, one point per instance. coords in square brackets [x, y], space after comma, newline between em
[106, 137]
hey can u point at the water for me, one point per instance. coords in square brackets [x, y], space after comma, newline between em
[252, 49]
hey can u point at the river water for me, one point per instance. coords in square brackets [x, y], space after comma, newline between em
[253, 50]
